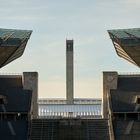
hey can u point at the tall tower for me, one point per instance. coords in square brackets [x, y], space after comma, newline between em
[69, 71]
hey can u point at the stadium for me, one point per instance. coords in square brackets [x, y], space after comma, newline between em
[114, 117]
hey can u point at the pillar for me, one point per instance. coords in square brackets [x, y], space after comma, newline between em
[30, 82]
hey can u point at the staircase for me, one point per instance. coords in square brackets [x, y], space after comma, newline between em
[69, 129]
[43, 129]
[97, 129]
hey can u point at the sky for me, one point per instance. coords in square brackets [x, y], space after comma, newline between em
[84, 21]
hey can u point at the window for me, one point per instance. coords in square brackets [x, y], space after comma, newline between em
[69, 47]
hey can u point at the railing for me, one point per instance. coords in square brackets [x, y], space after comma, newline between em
[66, 114]
[63, 101]
[11, 74]
[123, 74]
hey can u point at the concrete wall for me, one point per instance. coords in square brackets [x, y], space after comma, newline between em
[110, 80]
[30, 82]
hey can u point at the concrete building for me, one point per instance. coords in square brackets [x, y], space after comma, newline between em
[121, 105]
[16, 105]
[70, 118]
[122, 92]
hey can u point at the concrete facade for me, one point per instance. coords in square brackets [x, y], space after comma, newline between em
[69, 71]
[30, 82]
[110, 80]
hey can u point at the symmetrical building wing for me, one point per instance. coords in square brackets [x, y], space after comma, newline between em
[127, 44]
[12, 44]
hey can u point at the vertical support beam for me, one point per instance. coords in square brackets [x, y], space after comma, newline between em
[138, 116]
[110, 80]
[69, 71]
[30, 82]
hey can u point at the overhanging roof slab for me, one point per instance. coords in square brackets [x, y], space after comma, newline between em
[12, 44]
[127, 44]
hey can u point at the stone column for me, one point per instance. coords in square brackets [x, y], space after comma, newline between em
[110, 80]
[30, 82]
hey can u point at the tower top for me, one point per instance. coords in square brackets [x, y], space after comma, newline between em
[69, 41]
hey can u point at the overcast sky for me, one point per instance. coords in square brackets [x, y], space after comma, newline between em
[54, 21]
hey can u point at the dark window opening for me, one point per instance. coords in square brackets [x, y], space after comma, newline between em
[119, 116]
[132, 116]
[1, 101]
[69, 47]
[138, 100]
